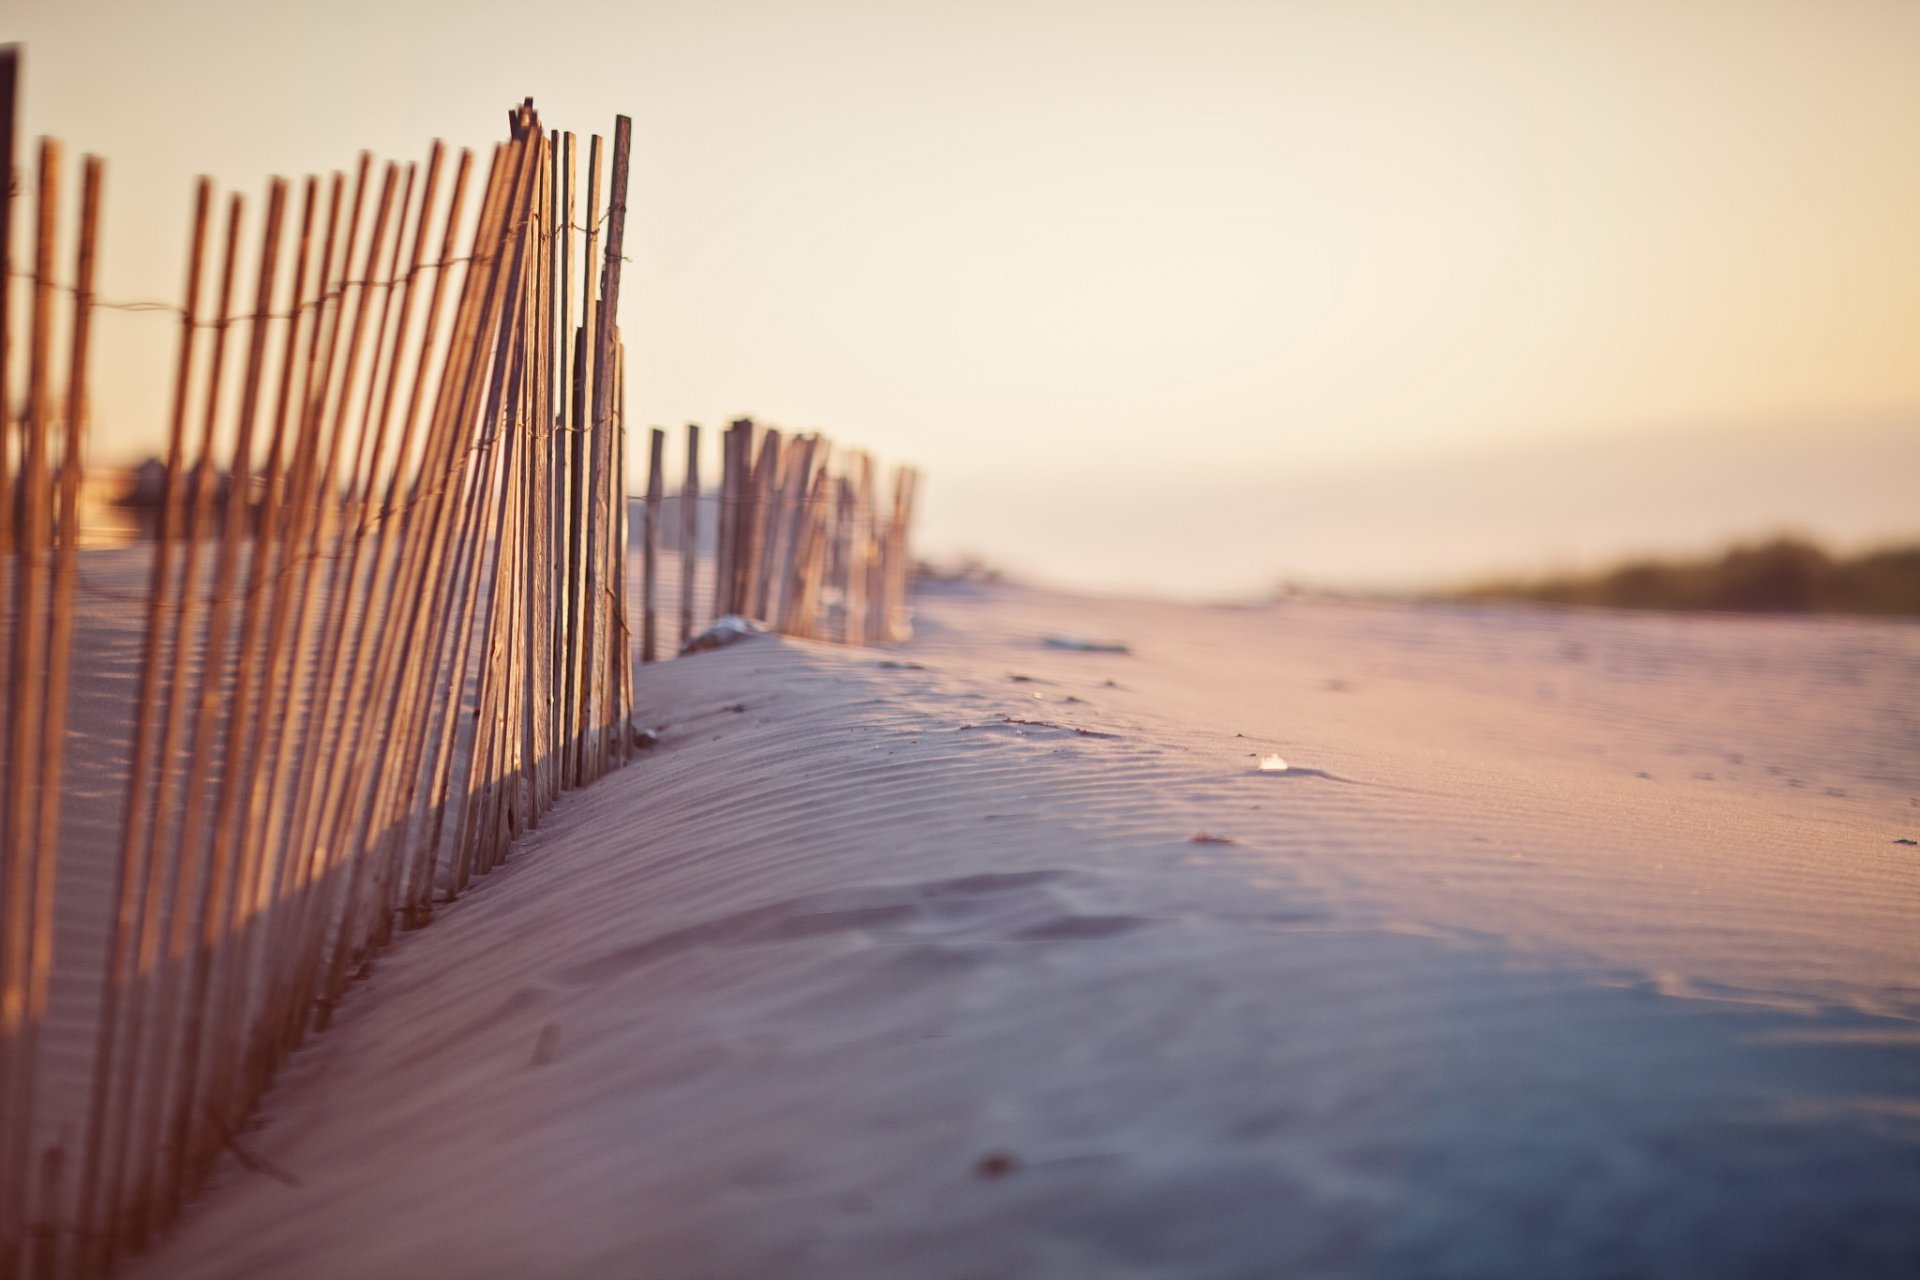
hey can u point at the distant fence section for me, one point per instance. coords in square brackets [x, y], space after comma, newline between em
[806, 541]
[330, 690]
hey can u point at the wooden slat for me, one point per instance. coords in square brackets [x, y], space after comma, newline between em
[133, 883]
[689, 534]
[181, 868]
[606, 390]
[620, 657]
[651, 520]
[211, 910]
[727, 520]
[312, 741]
[27, 910]
[418, 564]
[333, 545]
[53, 742]
[806, 454]
[9, 93]
[234, 1090]
[143, 839]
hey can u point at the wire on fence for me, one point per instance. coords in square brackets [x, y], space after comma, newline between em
[346, 682]
[384, 625]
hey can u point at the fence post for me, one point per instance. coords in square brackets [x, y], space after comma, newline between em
[9, 92]
[650, 537]
[754, 567]
[899, 567]
[308, 676]
[28, 870]
[821, 502]
[689, 534]
[723, 522]
[211, 909]
[873, 563]
[796, 484]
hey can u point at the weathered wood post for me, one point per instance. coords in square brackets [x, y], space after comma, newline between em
[650, 540]
[689, 533]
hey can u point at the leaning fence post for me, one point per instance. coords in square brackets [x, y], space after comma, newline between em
[746, 516]
[27, 866]
[9, 88]
[753, 572]
[797, 484]
[268, 837]
[650, 538]
[813, 573]
[608, 486]
[689, 533]
[723, 522]
[899, 565]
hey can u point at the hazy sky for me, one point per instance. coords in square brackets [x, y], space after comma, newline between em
[1103, 266]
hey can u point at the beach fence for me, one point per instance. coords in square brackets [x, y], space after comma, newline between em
[799, 537]
[381, 628]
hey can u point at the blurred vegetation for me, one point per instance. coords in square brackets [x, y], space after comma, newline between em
[965, 568]
[1782, 575]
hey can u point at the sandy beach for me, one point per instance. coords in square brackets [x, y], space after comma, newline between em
[1566, 944]
[993, 897]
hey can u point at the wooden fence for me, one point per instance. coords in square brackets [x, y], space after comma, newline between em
[336, 686]
[802, 542]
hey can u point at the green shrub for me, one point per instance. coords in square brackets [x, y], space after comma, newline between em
[1780, 575]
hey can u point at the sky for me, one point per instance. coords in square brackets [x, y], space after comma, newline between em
[1181, 297]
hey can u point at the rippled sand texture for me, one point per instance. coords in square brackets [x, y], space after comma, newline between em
[1568, 945]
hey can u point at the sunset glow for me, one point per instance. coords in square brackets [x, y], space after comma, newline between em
[1132, 246]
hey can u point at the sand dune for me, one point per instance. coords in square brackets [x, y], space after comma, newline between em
[1571, 945]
